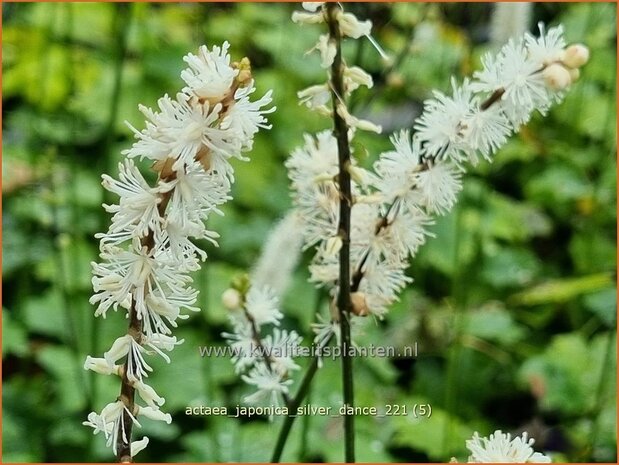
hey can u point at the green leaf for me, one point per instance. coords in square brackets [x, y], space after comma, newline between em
[562, 377]
[510, 267]
[14, 336]
[45, 314]
[440, 436]
[69, 374]
[604, 305]
[562, 290]
[493, 323]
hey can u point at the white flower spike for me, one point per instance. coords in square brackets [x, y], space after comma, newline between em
[148, 253]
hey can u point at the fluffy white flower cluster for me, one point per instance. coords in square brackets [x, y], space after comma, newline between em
[148, 253]
[527, 74]
[501, 448]
[393, 204]
[264, 361]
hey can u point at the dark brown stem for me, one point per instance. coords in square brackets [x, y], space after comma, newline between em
[268, 358]
[127, 391]
[344, 304]
[496, 95]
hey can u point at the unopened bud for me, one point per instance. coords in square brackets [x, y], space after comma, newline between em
[357, 77]
[358, 174]
[307, 18]
[576, 55]
[231, 299]
[557, 77]
[574, 74]
[333, 246]
[359, 304]
[351, 26]
[311, 6]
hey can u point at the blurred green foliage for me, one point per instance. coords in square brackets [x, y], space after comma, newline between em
[513, 304]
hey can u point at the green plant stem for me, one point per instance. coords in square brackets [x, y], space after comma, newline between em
[292, 408]
[605, 370]
[344, 305]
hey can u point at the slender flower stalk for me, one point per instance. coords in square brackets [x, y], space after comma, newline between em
[336, 25]
[264, 361]
[392, 206]
[147, 253]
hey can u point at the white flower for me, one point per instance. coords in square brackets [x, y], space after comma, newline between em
[197, 193]
[312, 6]
[500, 448]
[316, 160]
[280, 348]
[315, 97]
[269, 383]
[324, 329]
[395, 169]
[245, 117]
[382, 282]
[404, 235]
[99, 424]
[439, 186]
[209, 75]
[137, 211]
[548, 47]
[164, 309]
[242, 342]
[100, 365]
[519, 77]
[354, 122]
[180, 130]
[148, 394]
[327, 49]
[154, 414]
[355, 77]
[262, 305]
[138, 446]
[307, 18]
[159, 342]
[351, 26]
[111, 421]
[485, 131]
[440, 127]
[119, 349]
[319, 206]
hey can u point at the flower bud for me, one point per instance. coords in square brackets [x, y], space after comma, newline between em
[557, 77]
[153, 414]
[355, 77]
[307, 18]
[574, 74]
[352, 27]
[311, 6]
[359, 304]
[334, 244]
[100, 365]
[231, 299]
[576, 55]
[148, 394]
[327, 50]
[138, 446]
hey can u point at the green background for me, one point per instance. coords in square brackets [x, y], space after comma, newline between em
[513, 304]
